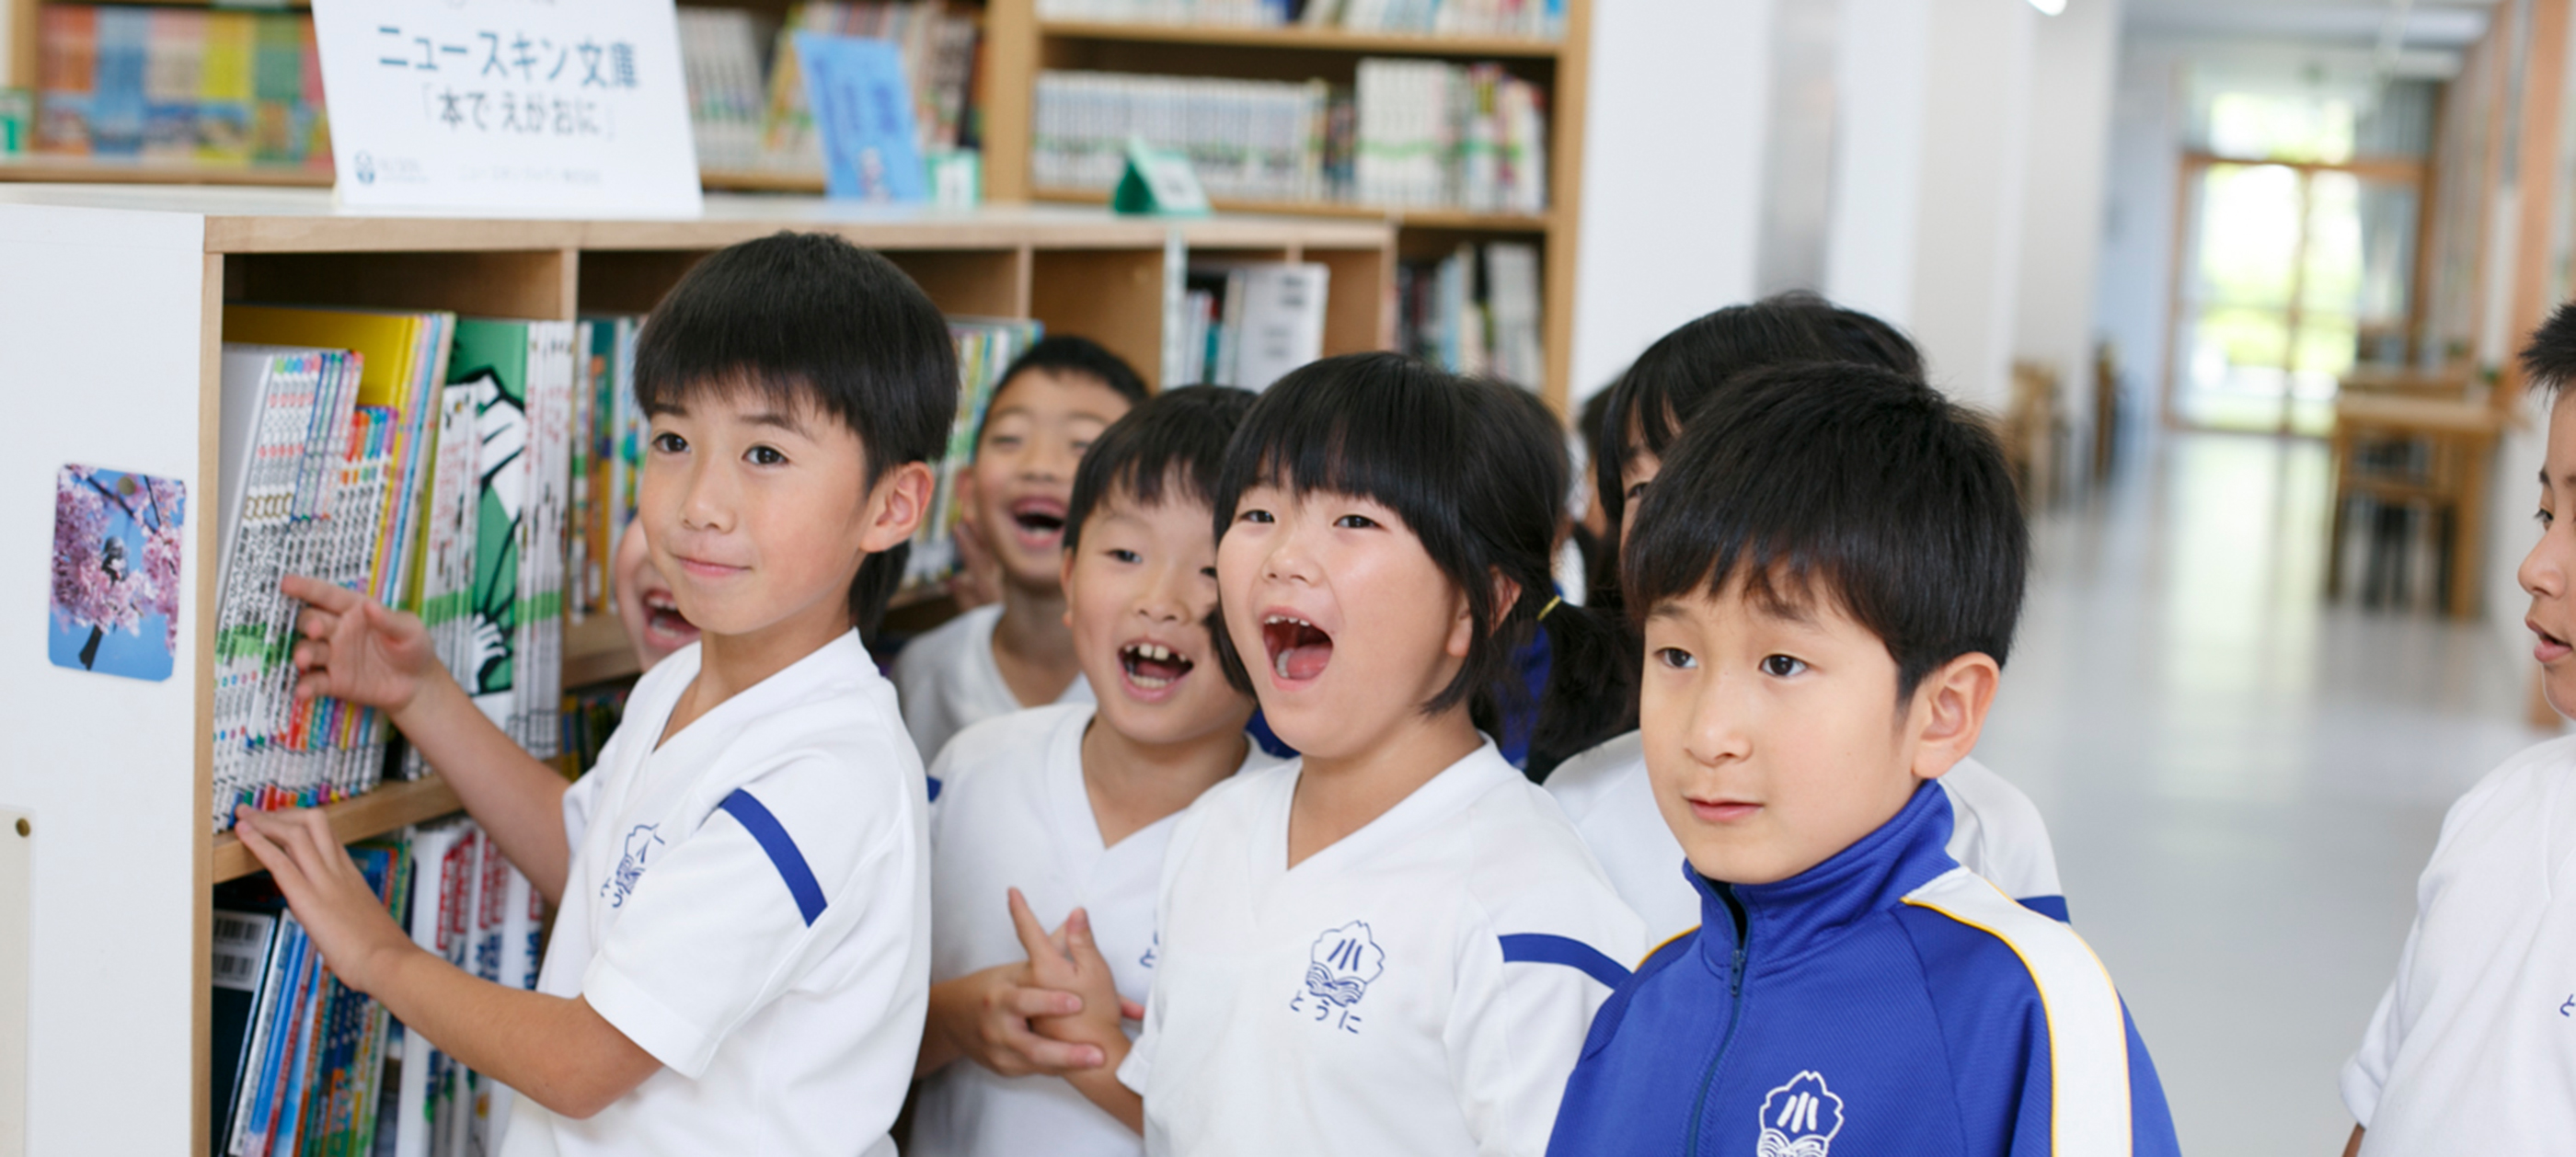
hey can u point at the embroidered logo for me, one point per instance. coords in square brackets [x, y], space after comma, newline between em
[1147, 960]
[1339, 969]
[641, 843]
[1799, 1119]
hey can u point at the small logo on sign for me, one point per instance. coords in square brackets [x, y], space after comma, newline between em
[1799, 1119]
[1339, 969]
[366, 169]
[641, 844]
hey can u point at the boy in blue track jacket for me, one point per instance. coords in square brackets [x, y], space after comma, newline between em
[1829, 568]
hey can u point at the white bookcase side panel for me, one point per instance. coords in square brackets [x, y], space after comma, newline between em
[101, 317]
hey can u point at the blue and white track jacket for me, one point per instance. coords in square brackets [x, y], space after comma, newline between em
[1884, 1001]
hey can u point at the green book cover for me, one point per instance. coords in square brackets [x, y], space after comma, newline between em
[492, 357]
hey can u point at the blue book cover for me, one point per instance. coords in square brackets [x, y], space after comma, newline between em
[863, 113]
[117, 104]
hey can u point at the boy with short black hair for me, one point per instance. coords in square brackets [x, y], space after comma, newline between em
[1065, 810]
[741, 946]
[1604, 790]
[2468, 1052]
[1829, 570]
[1053, 402]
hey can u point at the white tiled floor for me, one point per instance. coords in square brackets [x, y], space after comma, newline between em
[2242, 781]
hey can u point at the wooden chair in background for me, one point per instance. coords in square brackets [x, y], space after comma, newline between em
[2407, 440]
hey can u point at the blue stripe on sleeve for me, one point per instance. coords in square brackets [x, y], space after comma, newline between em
[782, 851]
[1542, 948]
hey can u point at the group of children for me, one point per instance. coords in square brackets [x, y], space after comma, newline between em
[1769, 904]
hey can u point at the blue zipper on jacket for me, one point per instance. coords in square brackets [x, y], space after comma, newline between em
[1735, 1011]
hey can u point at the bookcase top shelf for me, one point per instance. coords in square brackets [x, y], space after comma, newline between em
[1303, 39]
[273, 220]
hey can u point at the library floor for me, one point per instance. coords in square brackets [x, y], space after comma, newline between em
[2242, 780]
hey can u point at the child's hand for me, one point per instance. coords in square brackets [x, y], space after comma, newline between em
[985, 1016]
[1068, 961]
[345, 918]
[354, 649]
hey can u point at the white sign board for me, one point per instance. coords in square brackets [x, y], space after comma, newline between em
[517, 107]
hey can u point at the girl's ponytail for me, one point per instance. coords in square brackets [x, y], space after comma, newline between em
[1591, 685]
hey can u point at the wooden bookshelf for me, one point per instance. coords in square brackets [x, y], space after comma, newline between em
[114, 305]
[1306, 39]
[386, 809]
[1018, 45]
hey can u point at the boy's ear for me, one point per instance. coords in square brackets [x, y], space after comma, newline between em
[896, 506]
[1949, 711]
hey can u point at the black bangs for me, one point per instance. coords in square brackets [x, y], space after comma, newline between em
[1651, 403]
[1845, 483]
[1377, 426]
[817, 326]
[1172, 446]
[2550, 359]
[1475, 474]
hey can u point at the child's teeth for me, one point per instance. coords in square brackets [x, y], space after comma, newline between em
[1280, 664]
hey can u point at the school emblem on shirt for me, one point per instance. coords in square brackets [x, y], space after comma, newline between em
[1339, 970]
[642, 842]
[1799, 1119]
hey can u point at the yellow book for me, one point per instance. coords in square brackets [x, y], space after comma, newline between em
[390, 343]
[224, 94]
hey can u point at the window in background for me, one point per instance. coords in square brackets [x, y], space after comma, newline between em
[2298, 255]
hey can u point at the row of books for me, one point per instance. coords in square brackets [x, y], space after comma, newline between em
[1475, 311]
[1410, 133]
[1437, 134]
[1539, 19]
[985, 347]
[1250, 139]
[423, 460]
[1248, 323]
[304, 1067]
[217, 86]
[320, 435]
[747, 108]
[494, 570]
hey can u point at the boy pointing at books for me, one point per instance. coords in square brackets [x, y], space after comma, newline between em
[740, 958]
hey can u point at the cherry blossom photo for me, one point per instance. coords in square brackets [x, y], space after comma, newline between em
[115, 605]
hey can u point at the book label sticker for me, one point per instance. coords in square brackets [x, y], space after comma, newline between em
[117, 544]
[501, 106]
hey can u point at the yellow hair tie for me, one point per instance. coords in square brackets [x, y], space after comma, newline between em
[1551, 605]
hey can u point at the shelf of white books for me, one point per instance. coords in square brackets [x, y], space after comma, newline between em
[1408, 217]
[389, 807]
[1304, 39]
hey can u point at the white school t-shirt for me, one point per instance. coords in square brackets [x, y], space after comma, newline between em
[1995, 832]
[2473, 1049]
[1015, 813]
[751, 905]
[949, 682]
[1421, 987]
